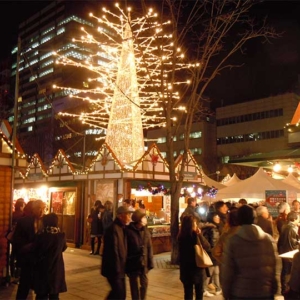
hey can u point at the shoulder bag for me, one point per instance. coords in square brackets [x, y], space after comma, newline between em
[202, 258]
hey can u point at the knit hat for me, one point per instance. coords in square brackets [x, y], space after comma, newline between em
[123, 210]
[137, 215]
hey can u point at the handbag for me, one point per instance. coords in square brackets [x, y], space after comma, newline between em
[202, 258]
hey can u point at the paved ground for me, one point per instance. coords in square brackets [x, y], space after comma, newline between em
[85, 282]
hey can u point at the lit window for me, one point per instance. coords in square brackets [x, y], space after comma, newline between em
[196, 150]
[161, 140]
[195, 135]
[51, 70]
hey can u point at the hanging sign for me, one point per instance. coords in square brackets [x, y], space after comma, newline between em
[273, 198]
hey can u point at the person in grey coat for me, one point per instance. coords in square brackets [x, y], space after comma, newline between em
[115, 254]
[264, 220]
[139, 255]
[249, 261]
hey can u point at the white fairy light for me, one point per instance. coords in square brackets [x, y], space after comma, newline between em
[131, 60]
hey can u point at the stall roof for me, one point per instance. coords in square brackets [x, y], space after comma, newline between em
[268, 159]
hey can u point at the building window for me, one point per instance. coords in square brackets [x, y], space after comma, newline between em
[161, 140]
[196, 151]
[273, 134]
[195, 135]
[273, 113]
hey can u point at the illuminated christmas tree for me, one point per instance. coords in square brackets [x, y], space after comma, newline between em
[132, 59]
[125, 131]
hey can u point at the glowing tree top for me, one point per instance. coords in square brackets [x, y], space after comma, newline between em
[132, 60]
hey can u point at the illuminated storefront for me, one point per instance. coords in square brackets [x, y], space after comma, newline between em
[70, 194]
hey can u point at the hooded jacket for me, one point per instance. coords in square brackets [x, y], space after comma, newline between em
[249, 264]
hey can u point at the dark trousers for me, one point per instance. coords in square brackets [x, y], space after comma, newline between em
[47, 296]
[25, 282]
[285, 274]
[118, 289]
[138, 285]
[188, 291]
[291, 295]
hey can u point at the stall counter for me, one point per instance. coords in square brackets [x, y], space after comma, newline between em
[161, 238]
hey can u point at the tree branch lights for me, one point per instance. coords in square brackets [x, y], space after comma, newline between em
[131, 63]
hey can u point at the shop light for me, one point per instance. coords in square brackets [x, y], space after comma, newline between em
[277, 167]
[290, 169]
[190, 189]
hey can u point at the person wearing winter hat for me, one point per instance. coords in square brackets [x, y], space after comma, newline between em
[139, 254]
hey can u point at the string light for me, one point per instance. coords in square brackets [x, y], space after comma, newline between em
[131, 60]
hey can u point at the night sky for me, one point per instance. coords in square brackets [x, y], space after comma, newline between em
[269, 68]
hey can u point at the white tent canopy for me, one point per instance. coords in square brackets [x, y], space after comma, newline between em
[254, 188]
[292, 180]
[233, 180]
[212, 183]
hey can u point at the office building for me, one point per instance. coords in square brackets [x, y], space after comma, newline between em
[255, 133]
[202, 143]
[39, 127]
[6, 94]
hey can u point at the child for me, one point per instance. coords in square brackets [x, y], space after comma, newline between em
[49, 269]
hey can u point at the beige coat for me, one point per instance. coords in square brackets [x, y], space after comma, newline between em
[249, 264]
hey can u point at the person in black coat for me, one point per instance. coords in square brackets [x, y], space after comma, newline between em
[16, 216]
[139, 255]
[107, 215]
[115, 254]
[288, 241]
[96, 227]
[49, 270]
[190, 275]
[24, 235]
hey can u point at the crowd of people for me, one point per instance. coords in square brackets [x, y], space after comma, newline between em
[127, 251]
[37, 245]
[243, 241]
[126, 246]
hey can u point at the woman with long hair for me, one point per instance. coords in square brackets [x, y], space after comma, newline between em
[191, 276]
